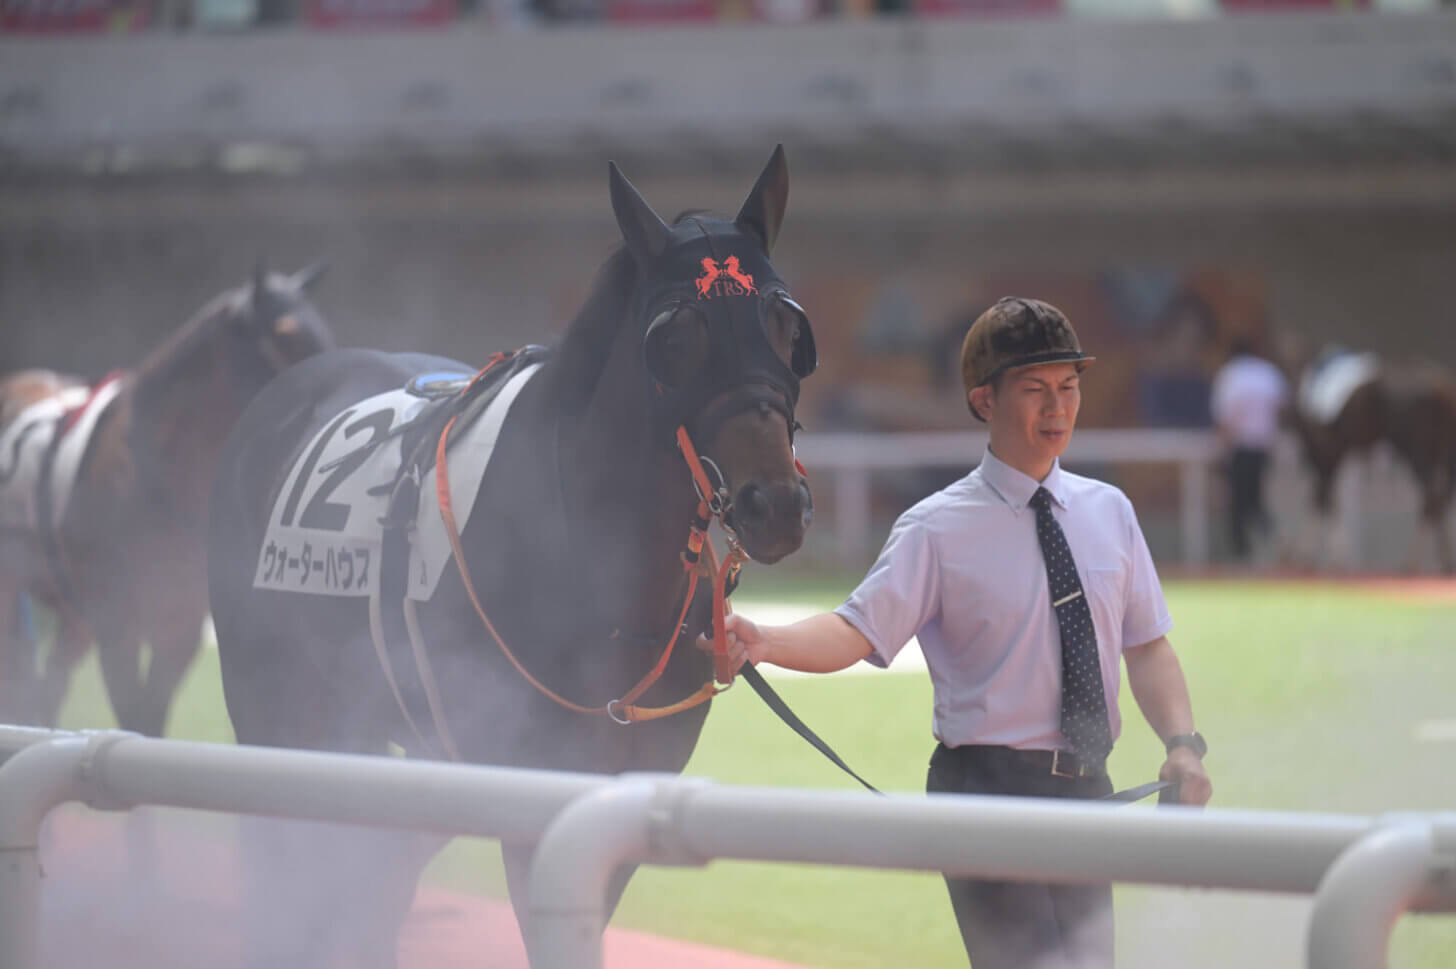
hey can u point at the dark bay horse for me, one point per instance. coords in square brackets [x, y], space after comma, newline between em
[108, 524]
[575, 547]
[1348, 402]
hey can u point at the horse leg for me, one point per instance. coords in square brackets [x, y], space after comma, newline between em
[1443, 489]
[1443, 547]
[1413, 550]
[17, 662]
[382, 869]
[1433, 521]
[318, 894]
[119, 647]
[517, 862]
[175, 641]
[72, 639]
[284, 892]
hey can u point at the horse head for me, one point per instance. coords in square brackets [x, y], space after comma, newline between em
[274, 324]
[720, 349]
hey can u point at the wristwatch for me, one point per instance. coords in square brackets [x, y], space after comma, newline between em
[1192, 740]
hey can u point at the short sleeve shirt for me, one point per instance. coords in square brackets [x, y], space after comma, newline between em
[962, 570]
[1247, 395]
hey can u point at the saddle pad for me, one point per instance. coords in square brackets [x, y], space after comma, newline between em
[23, 446]
[1324, 389]
[324, 535]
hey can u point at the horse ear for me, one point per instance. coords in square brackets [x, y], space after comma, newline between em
[763, 212]
[645, 232]
[309, 275]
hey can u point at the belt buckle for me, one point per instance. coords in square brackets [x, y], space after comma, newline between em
[1056, 767]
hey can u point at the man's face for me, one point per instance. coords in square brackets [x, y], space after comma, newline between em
[1031, 414]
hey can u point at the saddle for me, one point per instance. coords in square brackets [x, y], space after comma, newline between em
[452, 396]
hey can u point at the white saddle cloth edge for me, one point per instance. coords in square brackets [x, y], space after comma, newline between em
[1324, 392]
[430, 550]
[74, 445]
[18, 507]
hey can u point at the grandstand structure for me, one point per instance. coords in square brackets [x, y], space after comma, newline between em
[449, 160]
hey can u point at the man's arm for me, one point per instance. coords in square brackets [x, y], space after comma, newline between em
[1161, 692]
[820, 644]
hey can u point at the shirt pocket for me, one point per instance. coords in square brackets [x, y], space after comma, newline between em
[1107, 598]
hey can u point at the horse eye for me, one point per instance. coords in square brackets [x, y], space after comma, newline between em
[676, 345]
[786, 320]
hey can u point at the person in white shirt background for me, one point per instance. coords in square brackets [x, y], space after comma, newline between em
[1247, 396]
[971, 571]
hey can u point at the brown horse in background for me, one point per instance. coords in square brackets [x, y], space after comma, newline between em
[123, 563]
[1411, 406]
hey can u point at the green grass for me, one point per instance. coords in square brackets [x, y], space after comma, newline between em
[1310, 697]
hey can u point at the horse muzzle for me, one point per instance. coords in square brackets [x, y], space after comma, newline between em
[771, 519]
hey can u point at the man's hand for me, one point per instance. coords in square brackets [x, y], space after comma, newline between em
[745, 641]
[821, 643]
[1186, 768]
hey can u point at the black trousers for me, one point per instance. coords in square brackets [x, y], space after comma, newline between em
[1247, 467]
[1024, 925]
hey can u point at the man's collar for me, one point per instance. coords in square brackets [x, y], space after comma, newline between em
[1015, 487]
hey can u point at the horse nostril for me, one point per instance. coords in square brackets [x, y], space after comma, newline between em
[754, 502]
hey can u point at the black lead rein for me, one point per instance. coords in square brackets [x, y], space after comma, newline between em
[777, 705]
[1167, 790]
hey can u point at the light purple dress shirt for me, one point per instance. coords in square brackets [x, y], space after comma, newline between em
[962, 571]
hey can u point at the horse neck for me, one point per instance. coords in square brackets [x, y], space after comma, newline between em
[179, 417]
[627, 498]
[624, 495]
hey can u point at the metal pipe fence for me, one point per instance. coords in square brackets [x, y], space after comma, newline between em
[1364, 871]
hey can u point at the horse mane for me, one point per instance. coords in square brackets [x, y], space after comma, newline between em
[582, 351]
[183, 343]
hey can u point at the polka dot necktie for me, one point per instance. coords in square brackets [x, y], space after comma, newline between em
[1084, 705]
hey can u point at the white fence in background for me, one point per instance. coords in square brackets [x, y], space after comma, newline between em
[1375, 499]
[1363, 871]
[852, 457]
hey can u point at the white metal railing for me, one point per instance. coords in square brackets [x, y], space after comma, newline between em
[852, 457]
[116, 770]
[1363, 871]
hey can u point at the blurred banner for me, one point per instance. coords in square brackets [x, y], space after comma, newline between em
[987, 8]
[347, 14]
[1243, 5]
[661, 11]
[690, 11]
[73, 16]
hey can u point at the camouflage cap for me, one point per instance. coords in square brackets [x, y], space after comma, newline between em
[1017, 333]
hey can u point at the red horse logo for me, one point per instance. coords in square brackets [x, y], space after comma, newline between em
[728, 279]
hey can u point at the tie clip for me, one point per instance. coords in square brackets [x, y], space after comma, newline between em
[1066, 599]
